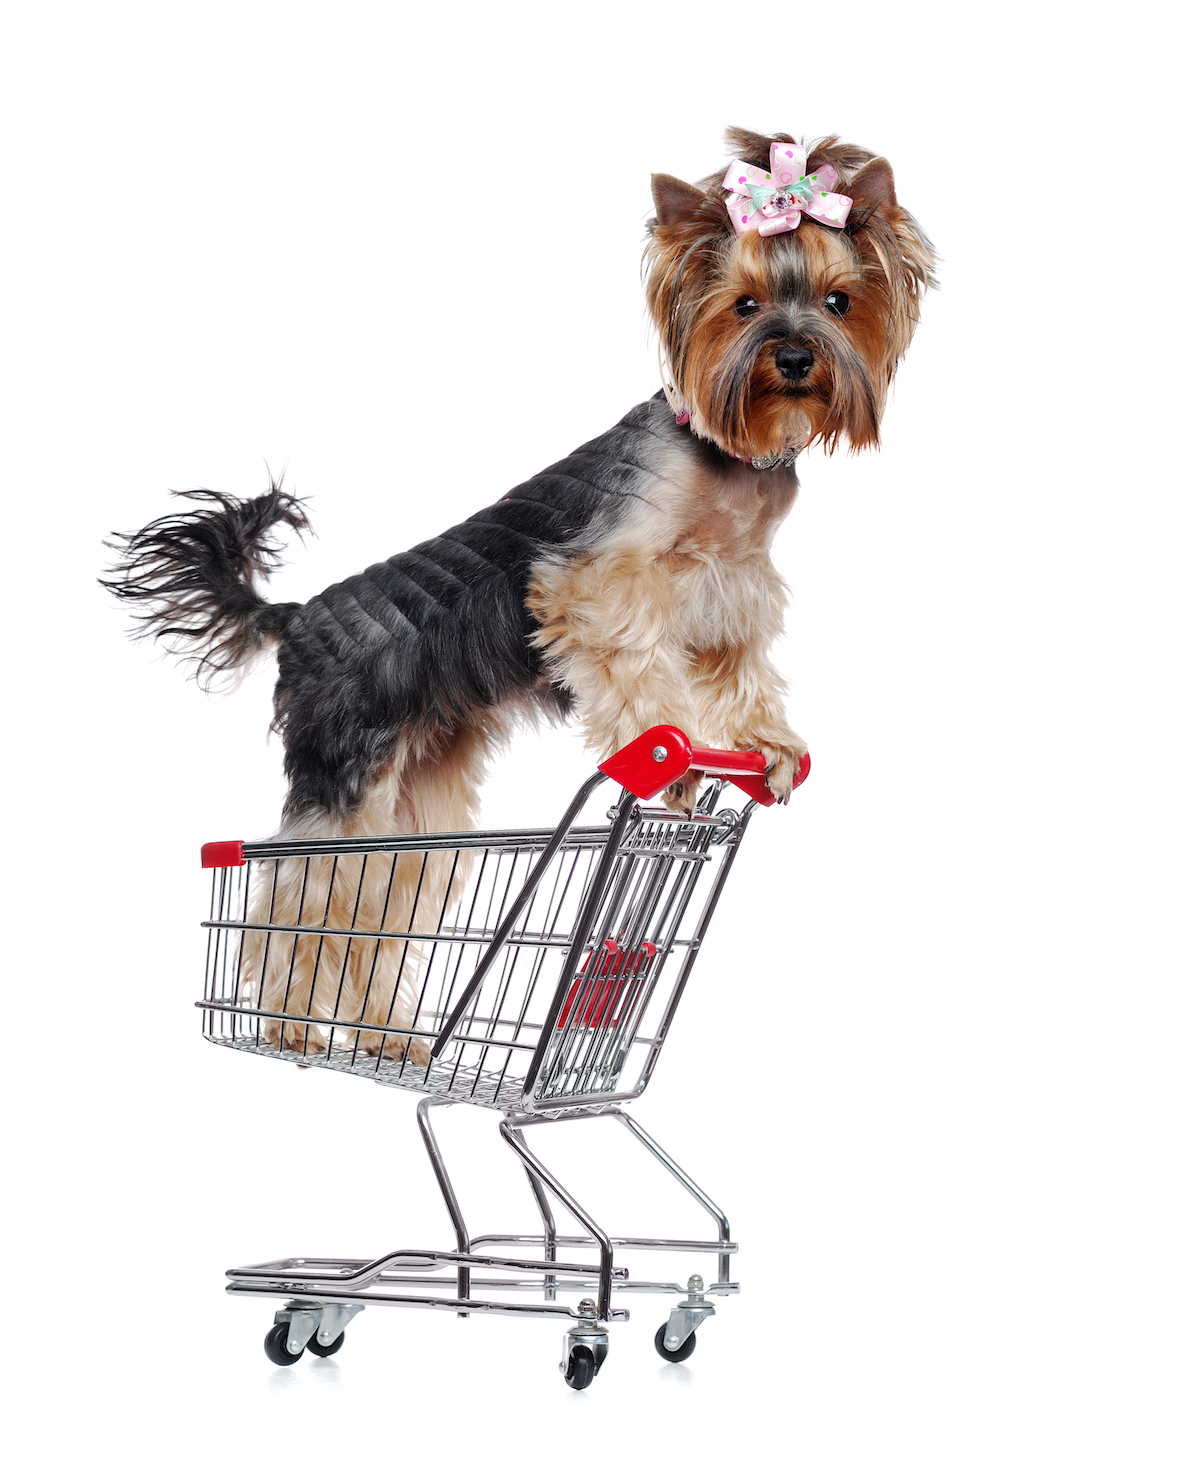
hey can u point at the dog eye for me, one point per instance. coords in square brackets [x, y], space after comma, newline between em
[745, 306]
[837, 302]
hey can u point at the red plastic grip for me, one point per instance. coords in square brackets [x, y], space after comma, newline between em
[222, 855]
[649, 764]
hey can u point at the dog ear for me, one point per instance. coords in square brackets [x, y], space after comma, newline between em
[877, 221]
[873, 187]
[879, 224]
[674, 201]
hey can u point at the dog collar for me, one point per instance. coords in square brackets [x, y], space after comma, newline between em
[760, 461]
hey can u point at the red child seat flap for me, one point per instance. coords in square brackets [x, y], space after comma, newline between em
[606, 986]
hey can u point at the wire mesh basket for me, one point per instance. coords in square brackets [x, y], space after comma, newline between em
[510, 969]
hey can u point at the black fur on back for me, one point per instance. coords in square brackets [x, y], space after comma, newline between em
[194, 575]
[418, 643]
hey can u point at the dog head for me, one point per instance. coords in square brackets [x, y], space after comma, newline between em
[777, 342]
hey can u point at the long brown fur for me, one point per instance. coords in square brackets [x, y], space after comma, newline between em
[697, 268]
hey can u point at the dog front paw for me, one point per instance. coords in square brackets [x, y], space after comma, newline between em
[681, 795]
[783, 761]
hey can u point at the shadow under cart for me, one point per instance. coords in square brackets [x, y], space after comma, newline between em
[533, 972]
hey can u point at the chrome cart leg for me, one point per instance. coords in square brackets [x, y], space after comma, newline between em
[668, 1163]
[550, 1230]
[461, 1238]
[534, 1166]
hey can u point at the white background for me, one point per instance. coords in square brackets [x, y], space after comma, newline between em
[938, 1060]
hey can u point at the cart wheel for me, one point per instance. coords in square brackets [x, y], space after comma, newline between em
[674, 1355]
[581, 1366]
[326, 1352]
[276, 1348]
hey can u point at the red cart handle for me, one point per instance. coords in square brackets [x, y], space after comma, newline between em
[646, 766]
[654, 760]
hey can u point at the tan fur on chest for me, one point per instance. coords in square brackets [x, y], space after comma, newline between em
[690, 568]
[680, 597]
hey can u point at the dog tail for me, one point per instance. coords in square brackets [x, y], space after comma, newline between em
[194, 575]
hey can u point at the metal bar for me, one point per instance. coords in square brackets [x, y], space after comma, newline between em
[444, 936]
[262, 977]
[552, 918]
[346, 1025]
[323, 929]
[448, 936]
[521, 840]
[244, 889]
[730, 851]
[580, 932]
[462, 949]
[320, 946]
[437, 1303]
[582, 1057]
[670, 914]
[509, 921]
[493, 1043]
[604, 1053]
[672, 1168]
[387, 898]
[337, 1001]
[428, 964]
[621, 1242]
[550, 1232]
[292, 959]
[533, 1164]
[461, 1235]
[371, 1271]
[502, 1283]
[665, 814]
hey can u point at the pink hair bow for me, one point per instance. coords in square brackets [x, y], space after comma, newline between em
[773, 202]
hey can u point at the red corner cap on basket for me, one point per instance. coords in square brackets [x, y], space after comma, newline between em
[222, 855]
[650, 763]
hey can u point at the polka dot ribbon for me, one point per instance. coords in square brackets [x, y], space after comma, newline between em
[773, 202]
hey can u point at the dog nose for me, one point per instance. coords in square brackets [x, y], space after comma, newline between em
[795, 363]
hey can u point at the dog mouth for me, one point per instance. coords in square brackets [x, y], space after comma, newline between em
[793, 390]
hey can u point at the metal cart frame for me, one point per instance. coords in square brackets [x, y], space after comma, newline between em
[540, 1042]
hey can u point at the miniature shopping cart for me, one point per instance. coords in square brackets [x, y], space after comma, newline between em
[538, 974]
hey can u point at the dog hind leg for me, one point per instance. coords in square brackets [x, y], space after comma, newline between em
[427, 792]
[325, 976]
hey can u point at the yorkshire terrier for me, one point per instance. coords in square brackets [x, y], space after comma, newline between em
[630, 584]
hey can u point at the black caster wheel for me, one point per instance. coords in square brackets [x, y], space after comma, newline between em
[276, 1348]
[581, 1367]
[677, 1355]
[315, 1347]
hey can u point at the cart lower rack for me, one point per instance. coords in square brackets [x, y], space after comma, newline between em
[534, 972]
